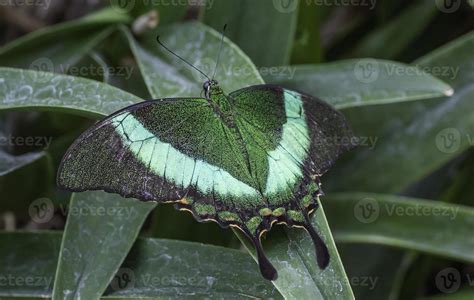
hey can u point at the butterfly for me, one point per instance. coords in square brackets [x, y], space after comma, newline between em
[248, 159]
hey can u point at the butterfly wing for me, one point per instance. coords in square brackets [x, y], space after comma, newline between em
[312, 132]
[162, 150]
[296, 138]
[292, 139]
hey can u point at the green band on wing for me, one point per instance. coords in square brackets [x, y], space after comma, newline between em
[286, 161]
[165, 161]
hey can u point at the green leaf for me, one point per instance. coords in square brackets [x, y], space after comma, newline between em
[167, 12]
[460, 189]
[22, 179]
[308, 47]
[106, 15]
[25, 89]
[160, 268]
[353, 83]
[167, 76]
[185, 269]
[436, 134]
[25, 176]
[28, 258]
[115, 55]
[415, 224]
[464, 294]
[390, 40]
[337, 30]
[100, 230]
[58, 47]
[375, 272]
[10, 163]
[252, 24]
[452, 62]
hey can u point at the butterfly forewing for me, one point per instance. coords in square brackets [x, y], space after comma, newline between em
[159, 150]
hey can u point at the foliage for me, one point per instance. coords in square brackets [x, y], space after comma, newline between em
[398, 212]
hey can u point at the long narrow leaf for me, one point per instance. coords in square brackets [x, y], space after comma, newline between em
[414, 224]
[361, 82]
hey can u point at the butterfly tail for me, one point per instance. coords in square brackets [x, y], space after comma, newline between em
[322, 252]
[266, 268]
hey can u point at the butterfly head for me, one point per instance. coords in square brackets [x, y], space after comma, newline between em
[211, 88]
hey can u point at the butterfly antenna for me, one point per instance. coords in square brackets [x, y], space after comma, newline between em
[220, 50]
[187, 62]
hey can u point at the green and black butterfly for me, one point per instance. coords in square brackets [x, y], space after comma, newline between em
[248, 159]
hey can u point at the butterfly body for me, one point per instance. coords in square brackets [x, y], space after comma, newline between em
[249, 159]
